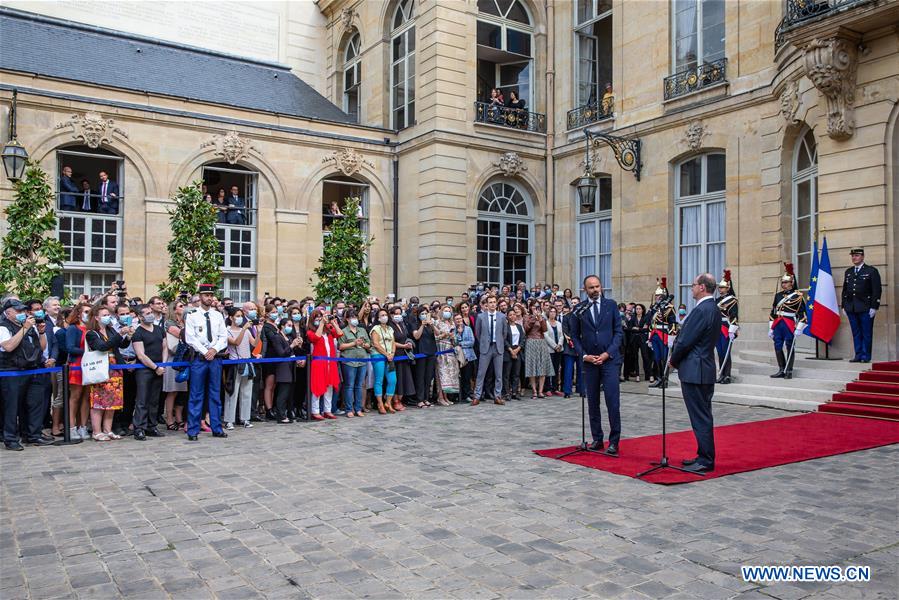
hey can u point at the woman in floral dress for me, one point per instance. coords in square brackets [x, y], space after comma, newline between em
[106, 397]
[447, 365]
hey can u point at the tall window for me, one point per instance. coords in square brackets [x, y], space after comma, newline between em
[700, 220]
[402, 65]
[593, 32]
[352, 76]
[236, 228]
[505, 234]
[90, 197]
[594, 236]
[698, 33]
[505, 50]
[805, 203]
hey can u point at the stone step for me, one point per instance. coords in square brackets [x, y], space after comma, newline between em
[800, 372]
[729, 396]
[801, 360]
[788, 389]
[825, 385]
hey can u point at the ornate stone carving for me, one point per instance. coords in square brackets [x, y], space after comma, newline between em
[92, 129]
[693, 135]
[789, 103]
[347, 160]
[511, 164]
[231, 146]
[346, 18]
[831, 65]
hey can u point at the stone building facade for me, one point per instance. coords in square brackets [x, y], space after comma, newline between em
[758, 125]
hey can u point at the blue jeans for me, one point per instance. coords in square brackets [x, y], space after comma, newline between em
[862, 333]
[568, 371]
[380, 368]
[205, 378]
[353, 380]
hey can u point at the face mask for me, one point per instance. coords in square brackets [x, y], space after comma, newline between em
[280, 309]
[423, 316]
[480, 288]
[252, 314]
[340, 311]
[296, 317]
[397, 318]
[682, 312]
[125, 320]
[106, 320]
[85, 317]
[39, 314]
[447, 314]
[148, 319]
[238, 321]
[20, 317]
[383, 320]
[355, 322]
[288, 330]
[273, 316]
[621, 312]
[317, 323]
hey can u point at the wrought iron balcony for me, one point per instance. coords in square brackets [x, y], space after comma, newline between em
[799, 11]
[591, 113]
[513, 118]
[695, 79]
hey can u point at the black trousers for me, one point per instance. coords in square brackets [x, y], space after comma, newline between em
[283, 400]
[122, 418]
[148, 386]
[424, 377]
[698, 399]
[465, 376]
[27, 392]
[553, 384]
[511, 381]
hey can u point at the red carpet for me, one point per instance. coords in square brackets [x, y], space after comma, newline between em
[744, 446]
[874, 395]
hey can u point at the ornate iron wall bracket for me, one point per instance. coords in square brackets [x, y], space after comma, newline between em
[627, 150]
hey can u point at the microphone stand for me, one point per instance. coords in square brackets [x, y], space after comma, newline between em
[663, 461]
[584, 446]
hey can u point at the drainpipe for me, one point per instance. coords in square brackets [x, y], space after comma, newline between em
[396, 224]
[548, 170]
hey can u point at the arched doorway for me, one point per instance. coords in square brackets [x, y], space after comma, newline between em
[505, 235]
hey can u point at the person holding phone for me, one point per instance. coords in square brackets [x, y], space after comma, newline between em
[425, 336]
[322, 332]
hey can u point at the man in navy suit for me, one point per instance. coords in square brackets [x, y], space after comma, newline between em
[596, 334]
[108, 201]
[67, 190]
[236, 210]
[693, 355]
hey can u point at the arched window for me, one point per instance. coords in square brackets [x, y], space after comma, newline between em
[402, 65]
[352, 76]
[700, 221]
[505, 234]
[805, 203]
[594, 235]
[505, 50]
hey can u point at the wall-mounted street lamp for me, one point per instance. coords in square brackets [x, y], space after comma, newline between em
[627, 153]
[15, 157]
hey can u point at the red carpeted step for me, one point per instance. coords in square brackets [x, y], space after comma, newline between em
[854, 410]
[886, 366]
[873, 387]
[882, 376]
[872, 399]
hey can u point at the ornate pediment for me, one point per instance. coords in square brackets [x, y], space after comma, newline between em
[511, 164]
[232, 147]
[347, 160]
[92, 129]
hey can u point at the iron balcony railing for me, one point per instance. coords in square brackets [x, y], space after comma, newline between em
[695, 79]
[800, 11]
[592, 112]
[513, 118]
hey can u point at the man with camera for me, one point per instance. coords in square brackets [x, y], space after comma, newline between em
[206, 334]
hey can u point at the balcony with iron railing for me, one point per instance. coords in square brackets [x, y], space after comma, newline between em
[512, 118]
[592, 112]
[695, 79]
[801, 12]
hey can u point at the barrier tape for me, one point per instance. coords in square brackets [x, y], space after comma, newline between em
[230, 361]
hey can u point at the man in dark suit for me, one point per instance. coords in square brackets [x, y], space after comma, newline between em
[237, 209]
[596, 334]
[861, 299]
[108, 195]
[491, 331]
[572, 361]
[67, 190]
[87, 201]
[693, 355]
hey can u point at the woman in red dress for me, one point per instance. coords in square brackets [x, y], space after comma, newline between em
[78, 401]
[322, 332]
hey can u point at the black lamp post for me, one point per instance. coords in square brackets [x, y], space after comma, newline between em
[15, 157]
[586, 185]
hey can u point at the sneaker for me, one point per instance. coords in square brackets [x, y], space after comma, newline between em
[82, 431]
[247, 424]
[229, 426]
[75, 434]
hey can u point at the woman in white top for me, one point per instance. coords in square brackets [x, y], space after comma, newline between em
[240, 341]
[554, 339]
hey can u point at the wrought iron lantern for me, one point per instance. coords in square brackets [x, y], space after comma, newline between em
[15, 157]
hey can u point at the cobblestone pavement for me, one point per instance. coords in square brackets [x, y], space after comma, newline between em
[434, 503]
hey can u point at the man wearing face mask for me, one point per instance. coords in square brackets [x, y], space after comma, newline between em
[21, 349]
[124, 326]
[148, 342]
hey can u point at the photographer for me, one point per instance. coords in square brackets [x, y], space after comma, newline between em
[322, 332]
[240, 342]
[426, 340]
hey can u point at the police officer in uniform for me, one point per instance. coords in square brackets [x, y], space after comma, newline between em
[663, 329]
[22, 349]
[861, 299]
[787, 320]
[727, 306]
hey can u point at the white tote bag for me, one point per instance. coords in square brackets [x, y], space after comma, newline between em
[94, 366]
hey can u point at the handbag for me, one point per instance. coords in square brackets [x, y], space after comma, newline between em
[183, 375]
[410, 355]
[94, 366]
[460, 356]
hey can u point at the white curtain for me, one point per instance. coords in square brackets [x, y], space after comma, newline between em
[690, 250]
[587, 248]
[605, 255]
[586, 75]
[716, 235]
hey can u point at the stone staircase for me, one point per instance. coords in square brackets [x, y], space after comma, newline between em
[814, 381]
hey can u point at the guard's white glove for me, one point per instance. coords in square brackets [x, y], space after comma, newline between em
[733, 329]
[771, 333]
[800, 327]
[771, 325]
[872, 312]
[671, 339]
[731, 335]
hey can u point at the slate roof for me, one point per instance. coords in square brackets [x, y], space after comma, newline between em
[60, 49]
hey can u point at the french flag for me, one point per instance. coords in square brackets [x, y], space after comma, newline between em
[826, 319]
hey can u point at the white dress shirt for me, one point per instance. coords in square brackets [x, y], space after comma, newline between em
[195, 333]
